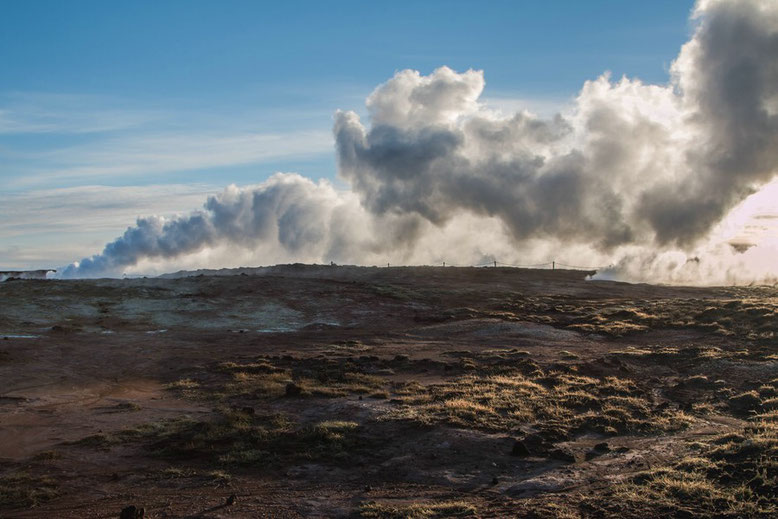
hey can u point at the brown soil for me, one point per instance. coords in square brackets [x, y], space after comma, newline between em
[83, 362]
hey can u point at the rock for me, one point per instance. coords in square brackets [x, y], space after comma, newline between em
[539, 443]
[745, 403]
[231, 500]
[602, 447]
[519, 449]
[562, 455]
[293, 389]
[593, 454]
[495, 480]
[695, 381]
[132, 512]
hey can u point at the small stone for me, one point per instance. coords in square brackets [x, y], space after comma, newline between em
[602, 447]
[132, 512]
[519, 449]
[495, 480]
[231, 500]
[293, 389]
[592, 454]
[368, 488]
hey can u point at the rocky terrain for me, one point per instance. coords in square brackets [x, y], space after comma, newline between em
[324, 391]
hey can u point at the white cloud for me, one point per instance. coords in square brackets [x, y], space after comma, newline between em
[507, 103]
[631, 173]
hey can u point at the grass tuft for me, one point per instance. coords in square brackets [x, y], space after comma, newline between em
[417, 510]
[24, 490]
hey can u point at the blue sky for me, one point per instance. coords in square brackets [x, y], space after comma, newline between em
[112, 110]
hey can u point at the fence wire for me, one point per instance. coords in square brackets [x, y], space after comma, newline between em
[548, 264]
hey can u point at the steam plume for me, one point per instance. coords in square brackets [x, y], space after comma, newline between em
[634, 173]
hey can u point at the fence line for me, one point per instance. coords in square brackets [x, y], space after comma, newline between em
[553, 264]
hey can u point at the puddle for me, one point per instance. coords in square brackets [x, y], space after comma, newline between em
[278, 329]
[21, 336]
[154, 332]
[288, 327]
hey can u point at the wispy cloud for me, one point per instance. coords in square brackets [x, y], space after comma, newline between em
[167, 153]
[58, 140]
[34, 113]
[52, 226]
[94, 208]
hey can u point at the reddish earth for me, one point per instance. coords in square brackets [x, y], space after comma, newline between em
[84, 358]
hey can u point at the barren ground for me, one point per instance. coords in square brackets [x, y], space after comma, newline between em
[387, 392]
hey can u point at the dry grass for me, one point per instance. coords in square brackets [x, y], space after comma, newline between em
[417, 510]
[264, 379]
[732, 476]
[751, 317]
[24, 490]
[561, 404]
[237, 438]
[186, 388]
[47, 455]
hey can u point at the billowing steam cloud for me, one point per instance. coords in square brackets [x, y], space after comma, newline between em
[637, 174]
